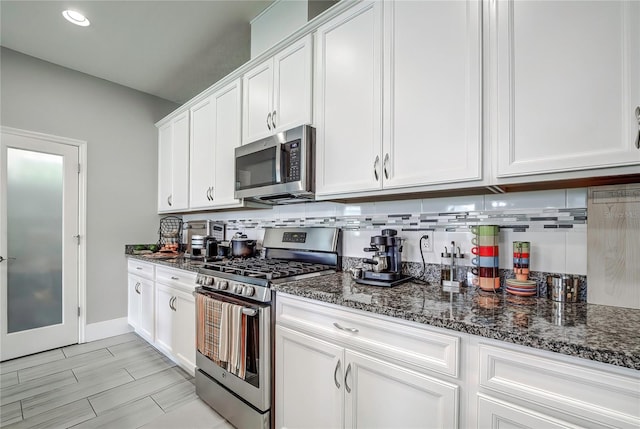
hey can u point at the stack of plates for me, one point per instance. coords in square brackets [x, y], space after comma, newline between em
[522, 287]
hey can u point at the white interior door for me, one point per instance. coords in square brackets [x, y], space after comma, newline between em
[38, 244]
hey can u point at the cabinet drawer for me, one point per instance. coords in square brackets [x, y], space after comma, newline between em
[139, 268]
[606, 396]
[184, 280]
[398, 341]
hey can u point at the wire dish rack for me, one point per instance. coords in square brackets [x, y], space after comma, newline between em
[170, 233]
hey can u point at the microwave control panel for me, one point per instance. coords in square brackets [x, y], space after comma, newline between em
[292, 149]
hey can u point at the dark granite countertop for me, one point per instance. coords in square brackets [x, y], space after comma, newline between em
[596, 332]
[175, 262]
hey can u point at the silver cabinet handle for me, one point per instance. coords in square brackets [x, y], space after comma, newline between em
[139, 268]
[269, 119]
[137, 288]
[384, 166]
[335, 374]
[638, 118]
[354, 330]
[346, 374]
[172, 302]
[175, 278]
[6, 259]
[273, 119]
[209, 193]
[169, 200]
[175, 298]
[375, 168]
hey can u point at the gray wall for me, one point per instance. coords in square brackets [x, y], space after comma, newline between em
[118, 125]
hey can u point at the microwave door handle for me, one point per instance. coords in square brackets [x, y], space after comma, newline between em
[278, 163]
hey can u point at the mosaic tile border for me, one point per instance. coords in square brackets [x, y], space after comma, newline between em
[432, 275]
[559, 219]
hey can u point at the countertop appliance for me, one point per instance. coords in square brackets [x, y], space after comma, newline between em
[386, 263]
[278, 169]
[204, 228]
[242, 393]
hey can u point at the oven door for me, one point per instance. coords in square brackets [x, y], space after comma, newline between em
[258, 168]
[255, 386]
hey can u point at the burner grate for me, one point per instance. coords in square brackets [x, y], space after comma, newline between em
[266, 268]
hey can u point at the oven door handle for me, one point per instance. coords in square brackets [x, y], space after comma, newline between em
[249, 311]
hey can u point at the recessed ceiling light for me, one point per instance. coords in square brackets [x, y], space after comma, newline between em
[76, 18]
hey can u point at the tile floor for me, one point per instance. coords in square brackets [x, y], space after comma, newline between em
[119, 382]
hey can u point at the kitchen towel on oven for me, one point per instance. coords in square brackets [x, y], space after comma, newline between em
[208, 338]
[222, 334]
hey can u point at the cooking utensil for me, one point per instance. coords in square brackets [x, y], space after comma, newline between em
[242, 246]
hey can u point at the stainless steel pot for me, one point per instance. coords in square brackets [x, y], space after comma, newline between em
[241, 246]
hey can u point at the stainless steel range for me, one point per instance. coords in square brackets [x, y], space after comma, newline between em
[235, 322]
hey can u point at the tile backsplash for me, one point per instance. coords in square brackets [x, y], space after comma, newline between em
[555, 222]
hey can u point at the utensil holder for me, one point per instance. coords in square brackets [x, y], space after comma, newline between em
[563, 288]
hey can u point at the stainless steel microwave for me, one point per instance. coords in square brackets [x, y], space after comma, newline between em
[278, 169]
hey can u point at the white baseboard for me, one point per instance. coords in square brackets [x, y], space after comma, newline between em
[108, 328]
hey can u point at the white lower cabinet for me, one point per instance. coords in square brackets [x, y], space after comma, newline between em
[495, 414]
[353, 390]
[141, 299]
[343, 368]
[309, 381]
[175, 325]
[335, 383]
[163, 311]
[536, 388]
[175, 320]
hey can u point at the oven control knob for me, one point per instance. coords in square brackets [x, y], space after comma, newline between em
[248, 291]
[222, 284]
[209, 281]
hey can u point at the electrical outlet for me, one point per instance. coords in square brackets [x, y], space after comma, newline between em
[427, 242]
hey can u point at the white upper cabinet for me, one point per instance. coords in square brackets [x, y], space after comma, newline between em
[348, 100]
[202, 151]
[418, 126]
[277, 93]
[433, 93]
[173, 164]
[215, 133]
[566, 85]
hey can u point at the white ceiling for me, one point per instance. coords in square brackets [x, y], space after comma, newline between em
[171, 49]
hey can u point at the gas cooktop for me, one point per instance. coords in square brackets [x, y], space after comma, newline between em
[269, 269]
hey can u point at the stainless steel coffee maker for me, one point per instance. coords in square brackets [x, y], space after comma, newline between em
[386, 262]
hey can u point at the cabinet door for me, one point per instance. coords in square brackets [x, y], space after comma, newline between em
[309, 381]
[147, 313]
[201, 154]
[349, 101]
[184, 330]
[227, 138]
[133, 304]
[257, 102]
[165, 134]
[180, 163]
[164, 318]
[382, 395]
[566, 85]
[495, 414]
[292, 70]
[432, 103]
